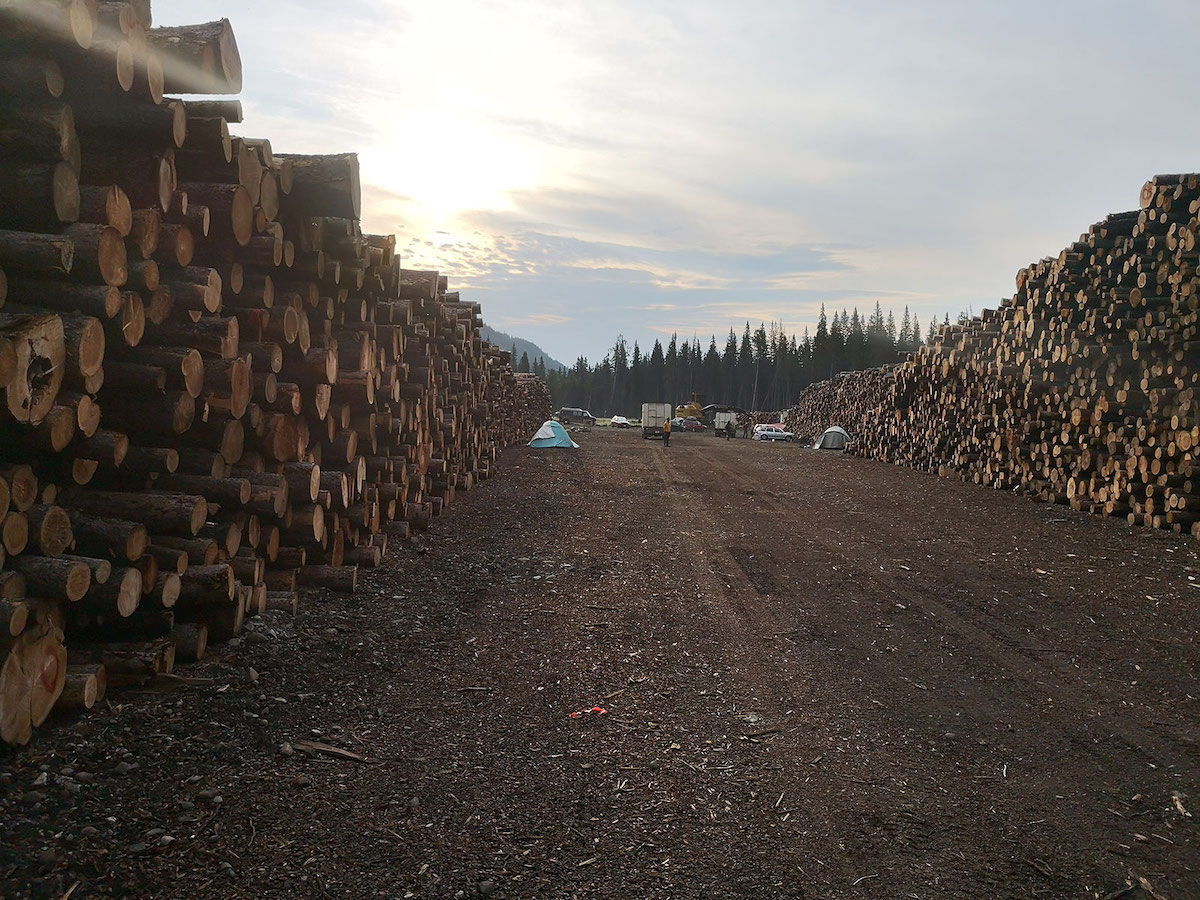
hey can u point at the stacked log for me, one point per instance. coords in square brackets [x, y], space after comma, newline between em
[219, 390]
[849, 399]
[532, 403]
[1081, 389]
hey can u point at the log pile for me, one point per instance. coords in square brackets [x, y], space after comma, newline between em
[851, 397]
[1081, 389]
[532, 402]
[218, 389]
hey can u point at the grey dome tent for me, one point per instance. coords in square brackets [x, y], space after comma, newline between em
[832, 439]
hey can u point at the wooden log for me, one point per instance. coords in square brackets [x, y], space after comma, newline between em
[83, 687]
[99, 254]
[36, 254]
[53, 578]
[110, 537]
[151, 416]
[199, 59]
[119, 596]
[131, 663]
[48, 21]
[34, 75]
[200, 551]
[335, 578]
[145, 233]
[231, 212]
[101, 569]
[178, 514]
[229, 110]
[170, 559]
[146, 175]
[191, 641]
[49, 529]
[99, 301]
[206, 585]
[162, 460]
[324, 185]
[284, 601]
[106, 205]
[40, 349]
[16, 692]
[12, 585]
[208, 335]
[14, 534]
[40, 196]
[107, 447]
[15, 615]
[44, 661]
[184, 366]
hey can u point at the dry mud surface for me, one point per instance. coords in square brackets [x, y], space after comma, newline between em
[824, 678]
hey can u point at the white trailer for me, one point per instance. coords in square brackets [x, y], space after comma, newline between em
[653, 416]
[721, 418]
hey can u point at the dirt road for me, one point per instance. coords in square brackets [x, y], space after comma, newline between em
[824, 678]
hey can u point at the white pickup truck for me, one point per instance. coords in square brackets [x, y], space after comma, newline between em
[653, 416]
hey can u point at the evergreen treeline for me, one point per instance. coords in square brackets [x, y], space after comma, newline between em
[763, 369]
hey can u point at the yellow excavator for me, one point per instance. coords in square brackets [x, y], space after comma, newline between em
[708, 413]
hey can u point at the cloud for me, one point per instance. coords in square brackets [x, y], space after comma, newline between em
[545, 319]
[585, 169]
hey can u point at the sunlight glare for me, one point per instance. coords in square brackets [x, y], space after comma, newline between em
[458, 163]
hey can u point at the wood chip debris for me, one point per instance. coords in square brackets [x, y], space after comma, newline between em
[328, 750]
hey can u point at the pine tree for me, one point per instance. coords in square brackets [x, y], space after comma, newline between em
[822, 358]
[712, 373]
[671, 369]
[745, 368]
[637, 377]
[523, 365]
[656, 380]
[729, 371]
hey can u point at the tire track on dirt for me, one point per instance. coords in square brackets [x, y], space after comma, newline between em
[991, 638]
[745, 615]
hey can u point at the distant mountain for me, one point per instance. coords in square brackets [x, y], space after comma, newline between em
[506, 342]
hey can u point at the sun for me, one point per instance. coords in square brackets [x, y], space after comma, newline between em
[454, 164]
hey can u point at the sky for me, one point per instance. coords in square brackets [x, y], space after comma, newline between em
[588, 169]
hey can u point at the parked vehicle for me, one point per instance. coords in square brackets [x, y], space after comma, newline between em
[772, 433]
[721, 418]
[653, 416]
[570, 415]
[691, 423]
[618, 422]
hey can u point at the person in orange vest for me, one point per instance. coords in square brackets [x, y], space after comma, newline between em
[667, 433]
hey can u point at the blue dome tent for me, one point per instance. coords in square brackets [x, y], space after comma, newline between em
[552, 434]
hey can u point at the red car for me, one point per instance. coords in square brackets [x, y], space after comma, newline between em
[691, 423]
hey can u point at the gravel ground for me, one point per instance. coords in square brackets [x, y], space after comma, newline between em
[816, 676]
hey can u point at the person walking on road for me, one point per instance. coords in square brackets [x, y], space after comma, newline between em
[667, 433]
[728, 430]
